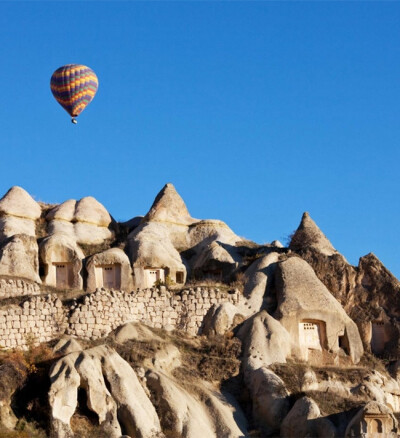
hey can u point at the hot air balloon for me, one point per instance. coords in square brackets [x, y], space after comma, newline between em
[74, 86]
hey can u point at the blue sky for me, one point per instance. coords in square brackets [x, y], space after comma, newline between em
[255, 111]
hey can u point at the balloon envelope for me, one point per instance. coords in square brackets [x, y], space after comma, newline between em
[74, 86]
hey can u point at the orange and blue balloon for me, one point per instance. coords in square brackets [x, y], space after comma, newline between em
[74, 87]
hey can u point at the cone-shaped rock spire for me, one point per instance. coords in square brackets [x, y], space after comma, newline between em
[169, 207]
[18, 202]
[308, 235]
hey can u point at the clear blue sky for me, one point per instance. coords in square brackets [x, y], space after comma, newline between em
[255, 111]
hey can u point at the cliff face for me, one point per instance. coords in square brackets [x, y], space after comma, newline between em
[368, 292]
[100, 320]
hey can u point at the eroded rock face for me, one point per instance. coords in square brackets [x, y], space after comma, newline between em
[19, 257]
[66, 345]
[259, 281]
[269, 397]
[168, 206]
[170, 239]
[87, 221]
[18, 213]
[304, 303]
[265, 341]
[219, 319]
[114, 260]
[303, 421]
[150, 245]
[368, 292]
[379, 388]
[185, 416]
[113, 393]
[186, 408]
[135, 331]
[62, 249]
[308, 235]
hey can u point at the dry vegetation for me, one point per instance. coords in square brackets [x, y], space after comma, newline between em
[22, 373]
[214, 360]
[329, 402]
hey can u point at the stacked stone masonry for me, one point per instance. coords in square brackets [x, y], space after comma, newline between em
[38, 319]
[43, 318]
[10, 287]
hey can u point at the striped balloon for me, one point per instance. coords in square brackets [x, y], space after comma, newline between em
[74, 86]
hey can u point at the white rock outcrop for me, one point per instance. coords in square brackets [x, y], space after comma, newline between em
[219, 319]
[62, 249]
[303, 420]
[18, 213]
[303, 299]
[86, 220]
[114, 259]
[265, 341]
[19, 257]
[113, 392]
[259, 278]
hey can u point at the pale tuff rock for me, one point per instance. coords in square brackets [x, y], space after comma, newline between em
[66, 345]
[62, 249]
[219, 319]
[380, 388]
[124, 402]
[111, 257]
[265, 341]
[303, 421]
[169, 207]
[214, 256]
[150, 245]
[198, 412]
[19, 258]
[135, 331]
[166, 359]
[211, 229]
[309, 235]
[12, 225]
[184, 415]
[168, 230]
[87, 210]
[303, 299]
[259, 278]
[18, 213]
[63, 395]
[86, 220]
[269, 397]
[17, 202]
[213, 245]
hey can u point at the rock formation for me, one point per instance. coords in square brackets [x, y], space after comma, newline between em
[368, 292]
[113, 393]
[18, 213]
[110, 269]
[86, 220]
[62, 260]
[112, 312]
[305, 305]
[19, 257]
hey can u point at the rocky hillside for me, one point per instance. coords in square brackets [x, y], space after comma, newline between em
[171, 326]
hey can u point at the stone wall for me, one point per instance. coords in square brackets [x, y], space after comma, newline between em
[39, 318]
[103, 311]
[44, 317]
[10, 287]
